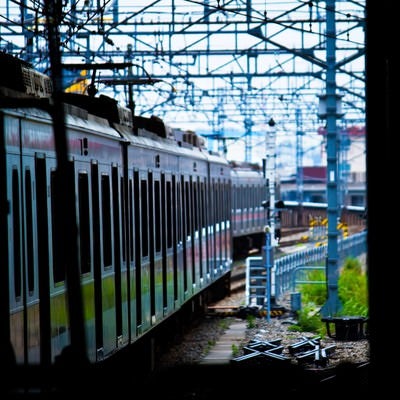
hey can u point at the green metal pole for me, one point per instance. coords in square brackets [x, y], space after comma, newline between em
[332, 305]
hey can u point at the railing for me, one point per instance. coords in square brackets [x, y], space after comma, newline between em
[285, 268]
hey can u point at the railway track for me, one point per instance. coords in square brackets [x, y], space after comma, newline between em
[223, 312]
[327, 367]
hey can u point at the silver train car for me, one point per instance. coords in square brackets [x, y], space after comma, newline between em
[249, 216]
[153, 215]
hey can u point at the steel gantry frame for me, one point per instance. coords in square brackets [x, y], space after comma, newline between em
[222, 68]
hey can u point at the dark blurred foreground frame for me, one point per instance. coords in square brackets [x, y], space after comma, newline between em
[382, 91]
[202, 382]
[208, 382]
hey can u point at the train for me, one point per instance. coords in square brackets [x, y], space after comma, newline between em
[305, 214]
[107, 238]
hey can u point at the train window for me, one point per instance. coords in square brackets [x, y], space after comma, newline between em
[29, 231]
[242, 206]
[178, 214]
[169, 214]
[190, 211]
[106, 218]
[253, 197]
[188, 220]
[222, 223]
[131, 237]
[84, 222]
[145, 223]
[124, 218]
[184, 226]
[42, 225]
[202, 207]
[96, 221]
[58, 270]
[116, 218]
[157, 161]
[16, 233]
[195, 208]
[201, 238]
[196, 219]
[218, 227]
[226, 208]
[157, 215]
[175, 228]
[212, 222]
[248, 205]
[164, 207]
[136, 205]
[205, 232]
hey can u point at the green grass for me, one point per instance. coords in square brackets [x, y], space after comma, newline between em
[352, 293]
[251, 321]
[235, 350]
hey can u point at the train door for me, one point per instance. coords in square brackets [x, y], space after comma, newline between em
[86, 253]
[97, 260]
[6, 350]
[196, 242]
[142, 262]
[206, 231]
[204, 275]
[130, 218]
[228, 226]
[166, 229]
[212, 212]
[106, 294]
[199, 255]
[156, 194]
[59, 317]
[42, 173]
[16, 262]
[178, 241]
[119, 259]
[26, 324]
[110, 297]
[217, 223]
[187, 236]
[30, 286]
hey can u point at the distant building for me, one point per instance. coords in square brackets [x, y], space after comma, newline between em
[310, 182]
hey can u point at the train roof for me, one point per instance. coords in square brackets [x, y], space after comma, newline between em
[22, 87]
[245, 172]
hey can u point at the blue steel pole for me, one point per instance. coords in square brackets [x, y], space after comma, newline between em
[268, 266]
[332, 305]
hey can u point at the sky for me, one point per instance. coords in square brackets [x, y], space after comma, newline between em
[194, 91]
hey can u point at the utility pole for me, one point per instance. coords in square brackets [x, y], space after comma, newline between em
[270, 240]
[299, 157]
[270, 172]
[332, 305]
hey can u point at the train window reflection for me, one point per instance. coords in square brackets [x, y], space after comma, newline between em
[106, 218]
[16, 233]
[84, 223]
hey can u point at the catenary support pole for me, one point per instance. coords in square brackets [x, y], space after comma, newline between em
[332, 305]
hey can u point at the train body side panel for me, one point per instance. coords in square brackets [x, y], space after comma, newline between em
[38, 313]
[96, 151]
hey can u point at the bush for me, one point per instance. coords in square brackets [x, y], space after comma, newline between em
[353, 289]
[352, 293]
[309, 320]
[314, 292]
